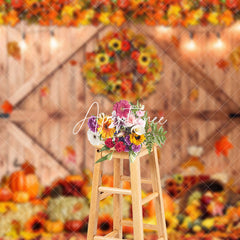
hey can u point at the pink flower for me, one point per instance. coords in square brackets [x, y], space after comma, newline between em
[130, 120]
[140, 122]
[140, 113]
[120, 146]
[109, 143]
[122, 108]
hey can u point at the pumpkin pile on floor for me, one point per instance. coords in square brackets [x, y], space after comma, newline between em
[60, 211]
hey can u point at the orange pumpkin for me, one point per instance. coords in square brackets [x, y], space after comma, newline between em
[32, 185]
[54, 227]
[168, 203]
[5, 194]
[29, 183]
[18, 181]
[20, 197]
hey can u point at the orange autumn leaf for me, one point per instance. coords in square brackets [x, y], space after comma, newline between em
[28, 168]
[222, 146]
[223, 64]
[73, 62]
[14, 50]
[194, 94]
[70, 154]
[44, 91]
[235, 58]
[7, 107]
[175, 41]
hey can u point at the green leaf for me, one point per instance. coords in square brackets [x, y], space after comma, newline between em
[107, 157]
[132, 156]
[104, 148]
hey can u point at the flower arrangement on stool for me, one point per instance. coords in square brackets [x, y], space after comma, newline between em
[127, 129]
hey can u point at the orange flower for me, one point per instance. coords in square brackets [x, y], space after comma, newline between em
[35, 225]
[118, 18]
[11, 18]
[226, 18]
[222, 146]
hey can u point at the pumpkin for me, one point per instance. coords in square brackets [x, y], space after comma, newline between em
[107, 180]
[54, 227]
[35, 225]
[29, 183]
[20, 197]
[18, 181]
[168, 203]
[5, 194]
[73, 225]
[32, 185]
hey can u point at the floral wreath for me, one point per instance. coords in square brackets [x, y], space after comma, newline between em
[122, 66]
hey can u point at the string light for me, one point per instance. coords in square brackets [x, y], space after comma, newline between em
[191, 45]
[53, 41]
[23, 44]
[219, 44]
[163, 29]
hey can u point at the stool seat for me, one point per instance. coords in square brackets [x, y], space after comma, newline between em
[100, 192]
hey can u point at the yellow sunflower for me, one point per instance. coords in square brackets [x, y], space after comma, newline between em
[144, 59]
[115, 44]
[104, 129]
[171, 222]
[102, 59]
[137, 139]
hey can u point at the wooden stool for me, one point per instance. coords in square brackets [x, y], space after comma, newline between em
[99, 193]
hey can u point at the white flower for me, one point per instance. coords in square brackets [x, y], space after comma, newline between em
[138, 129]
[94, 138]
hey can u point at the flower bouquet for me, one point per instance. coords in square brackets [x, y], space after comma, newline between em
[126, 130]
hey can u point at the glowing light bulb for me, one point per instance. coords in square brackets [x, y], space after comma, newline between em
[53, 41]
[219, 43]
[23, 44]
[191, 45]
[236, 26]
[163, 29]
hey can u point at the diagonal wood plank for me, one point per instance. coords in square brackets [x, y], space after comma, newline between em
[32, 145]
[196, 73]
[51, 67]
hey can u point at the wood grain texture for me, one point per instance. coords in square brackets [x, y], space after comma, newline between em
[49, 120]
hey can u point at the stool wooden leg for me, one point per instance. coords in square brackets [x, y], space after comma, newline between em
[94, 205]
[117, 198]
[158, 202]
[136, 199]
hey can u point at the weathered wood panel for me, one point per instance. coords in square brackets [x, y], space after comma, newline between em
[68, 93]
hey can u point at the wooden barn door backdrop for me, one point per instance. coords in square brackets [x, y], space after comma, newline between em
[40, 128]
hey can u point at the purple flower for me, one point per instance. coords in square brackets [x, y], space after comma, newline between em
[122, 108]
[92, 124]
[127, 140]
[126, 148]
[136, 148]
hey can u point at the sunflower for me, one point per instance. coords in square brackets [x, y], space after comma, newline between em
[115, 44]
[137, 139]
[102, 59]
[35, 225]
[104, 129]
[171, 222]
[144, 59]
[105, 225]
